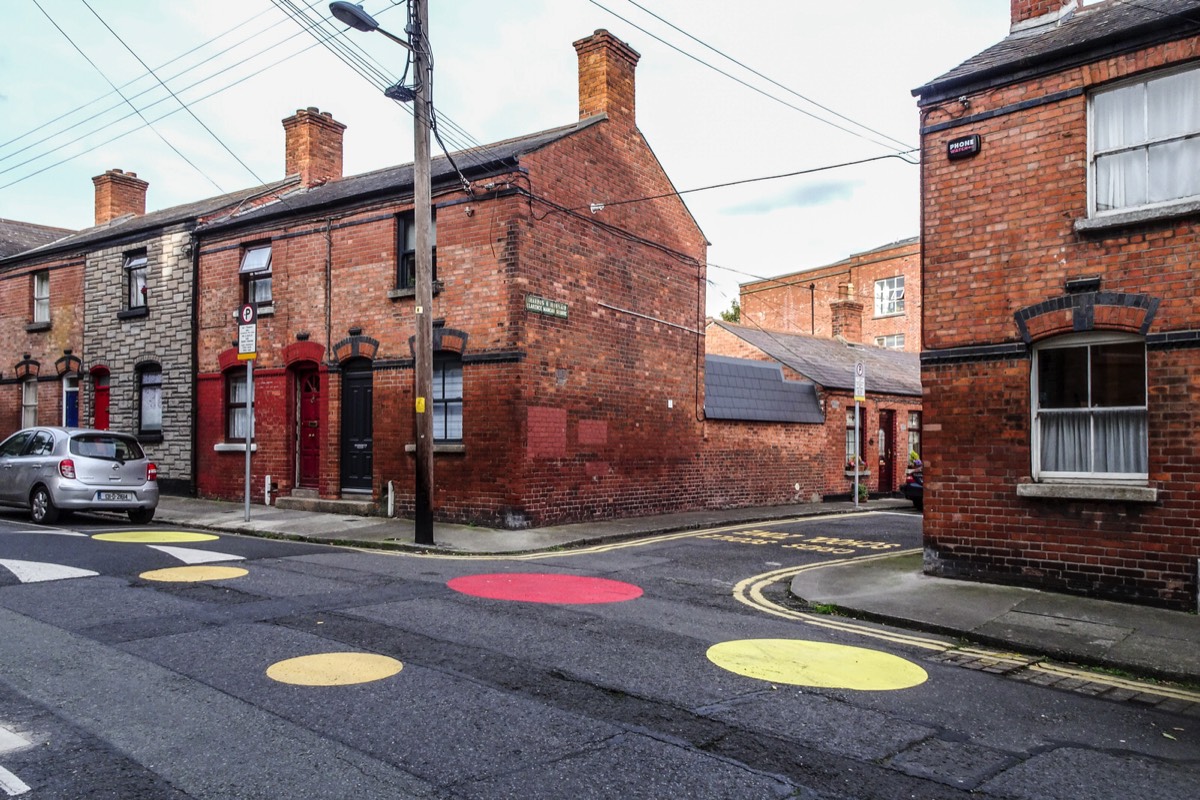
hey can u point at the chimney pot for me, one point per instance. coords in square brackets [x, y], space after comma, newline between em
[119, 193]
[313, 146]
[606, 77]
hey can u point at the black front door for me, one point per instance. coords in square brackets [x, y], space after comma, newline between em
[356, 427]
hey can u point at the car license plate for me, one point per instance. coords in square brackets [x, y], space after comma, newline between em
[125, 496]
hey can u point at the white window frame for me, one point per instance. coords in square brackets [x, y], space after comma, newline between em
[1036, 413]
[150, 386]
[29, 403]
[135, 280]
[1144, 144]
[256, 272]
[41, 296]
[892, 341]
[889, 296]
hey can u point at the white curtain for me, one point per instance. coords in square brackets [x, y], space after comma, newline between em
[1066, 437]
[1121, 441]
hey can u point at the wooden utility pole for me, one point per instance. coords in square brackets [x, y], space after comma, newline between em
[422, 209]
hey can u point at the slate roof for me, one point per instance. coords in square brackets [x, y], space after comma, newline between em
[1095, 30]
[16, 236]
[390, 181]
[128, 227]
[830, 362]
[755, 391]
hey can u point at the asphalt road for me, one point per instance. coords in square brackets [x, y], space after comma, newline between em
[645, 669]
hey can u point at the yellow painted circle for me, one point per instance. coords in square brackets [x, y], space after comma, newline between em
[155, 537]
[817, 664]
[334, 669]
[193, 574]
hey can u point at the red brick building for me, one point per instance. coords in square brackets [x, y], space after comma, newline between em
[1061, 324]
[567, 336]
[885, 280]
[889, 421]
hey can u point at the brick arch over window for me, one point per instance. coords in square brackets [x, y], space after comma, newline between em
[27, 367]
[1087, 311]
[445, 340]
[68, 364]
[356, 346]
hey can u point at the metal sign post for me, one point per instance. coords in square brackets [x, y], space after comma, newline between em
[247, 351]
[860, 396]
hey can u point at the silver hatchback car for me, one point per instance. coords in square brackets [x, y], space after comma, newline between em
[51, 470]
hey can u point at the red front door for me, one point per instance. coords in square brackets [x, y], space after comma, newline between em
[100, 407]
[309, 437]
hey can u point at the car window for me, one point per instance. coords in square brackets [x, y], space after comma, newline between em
[42, 444]
[106, 446]
[14, 444]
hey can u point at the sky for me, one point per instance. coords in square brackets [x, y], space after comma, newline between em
[204, 84]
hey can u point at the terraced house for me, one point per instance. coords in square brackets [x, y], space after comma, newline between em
[1061, 208]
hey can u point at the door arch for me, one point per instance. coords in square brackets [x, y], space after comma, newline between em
[357, 427]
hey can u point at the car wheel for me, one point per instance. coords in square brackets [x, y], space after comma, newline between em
[140, 516]
[41, 507]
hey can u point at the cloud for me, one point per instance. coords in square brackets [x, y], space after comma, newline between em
[808, 196]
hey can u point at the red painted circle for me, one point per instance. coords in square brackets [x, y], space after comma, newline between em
[532, 587]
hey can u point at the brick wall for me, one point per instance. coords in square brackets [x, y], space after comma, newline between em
[1000, 236]
[118, 342]
[786, 303]
[45, 344]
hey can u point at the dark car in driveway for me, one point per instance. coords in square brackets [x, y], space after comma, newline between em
[913, 488]
[50, 470]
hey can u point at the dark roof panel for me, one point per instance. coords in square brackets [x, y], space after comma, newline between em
[755, 391]
[17, 237]
[1077, 38]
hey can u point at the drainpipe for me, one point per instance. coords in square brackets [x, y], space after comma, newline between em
[195, 366]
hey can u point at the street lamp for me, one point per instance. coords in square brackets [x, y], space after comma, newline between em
[360, 20]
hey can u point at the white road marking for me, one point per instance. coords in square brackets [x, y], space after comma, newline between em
[11, 784]
[37, 571]
[189, 555]
[53, 531]
[11, 741]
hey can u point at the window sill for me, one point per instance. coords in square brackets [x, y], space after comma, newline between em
[401, 294]
[37, 327]
[862, 473]
[889, 316]
[442, 448]
[1107, 492]
[266, 310]
[234, 447]
[134, 313]
[1121, 219]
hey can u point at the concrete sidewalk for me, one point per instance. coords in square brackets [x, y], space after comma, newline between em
[1141, 640]
[1138, 639]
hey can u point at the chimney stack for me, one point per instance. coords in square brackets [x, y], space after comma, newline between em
[1033, 13]
[847, 314]
[313, 146]
[119, 193]
[606, 85]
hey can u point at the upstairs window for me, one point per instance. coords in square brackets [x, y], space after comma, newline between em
[447, 399]
[1089, 408]
[135, 280]
[889, 296]
[406, 248]
[256, 275]
[1145, 143]
[41, 296]
[893, 341]
[150, 399]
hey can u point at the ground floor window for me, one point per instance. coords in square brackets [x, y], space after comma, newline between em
[855, 448]
[29, 403]
[447, 399]
[914, 435]
[237, 406]
[1089, 408]
[150, 399]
